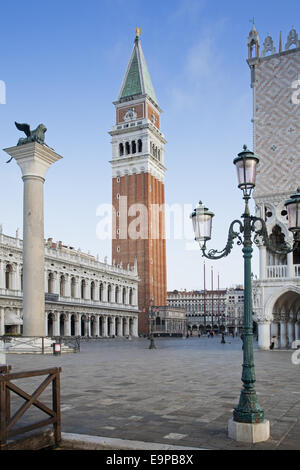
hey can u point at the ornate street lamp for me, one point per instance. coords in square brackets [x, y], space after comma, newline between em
[248, 411]
[151, 318]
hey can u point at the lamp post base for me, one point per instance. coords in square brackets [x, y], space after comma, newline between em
[249, 432]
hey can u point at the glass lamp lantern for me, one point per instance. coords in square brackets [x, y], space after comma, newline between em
[293, 208]
[202, 223]
[246, 163]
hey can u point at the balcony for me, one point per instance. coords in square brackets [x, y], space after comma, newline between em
[281, 271]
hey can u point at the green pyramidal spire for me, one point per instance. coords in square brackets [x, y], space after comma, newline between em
[137, 79]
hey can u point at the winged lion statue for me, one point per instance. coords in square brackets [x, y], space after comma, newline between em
[37, 135]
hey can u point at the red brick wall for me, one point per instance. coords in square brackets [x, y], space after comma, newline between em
[137, 189]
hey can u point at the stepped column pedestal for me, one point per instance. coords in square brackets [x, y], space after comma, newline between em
[34, 160]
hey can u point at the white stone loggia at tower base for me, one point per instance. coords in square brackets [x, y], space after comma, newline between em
[34, 160]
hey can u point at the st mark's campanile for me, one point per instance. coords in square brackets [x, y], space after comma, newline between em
[138, 194]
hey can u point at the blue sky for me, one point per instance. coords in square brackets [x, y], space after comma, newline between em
[63, 64]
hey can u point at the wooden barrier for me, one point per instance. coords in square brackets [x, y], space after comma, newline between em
[7, 422]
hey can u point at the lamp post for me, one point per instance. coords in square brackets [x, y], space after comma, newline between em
[151, 317]
[248, 423]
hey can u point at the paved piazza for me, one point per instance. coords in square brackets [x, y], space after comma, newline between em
[182, 393]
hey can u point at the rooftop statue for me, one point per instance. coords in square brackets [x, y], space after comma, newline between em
[38, 135]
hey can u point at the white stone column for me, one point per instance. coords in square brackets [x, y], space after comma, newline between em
[96, 291]
[126, 326]
[297, 327]
[104, 320]
[291, 329]
[34, 160]
[67, 285]
[87, 290]
[264, 335]
[77, 288]
[46, 323]
[2, 274]
[283, 334]
[120, 321]
[97, 325]
[46, 274]
[262, 262]
[56, 321]
[113, 326]
[67, 326]
[113, 293]
[56, 281]
[77, 324]
[2, 321]
[104, 292]
[135, 327]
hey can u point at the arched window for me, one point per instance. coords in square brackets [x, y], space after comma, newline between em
[127, 148]
[158, 154]
[117, 294]
[8, 276]
[82, 288]
[121, 149]
[73, 287]
[50, 283]
[101, 292]
[133, 146]
[92, 290]
[109, 293]
[277, 241]
[124, 295]
[140, 145]
[130, 296]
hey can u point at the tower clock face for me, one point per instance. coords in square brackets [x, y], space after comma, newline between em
[130, 115]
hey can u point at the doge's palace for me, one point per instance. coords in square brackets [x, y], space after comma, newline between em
[275, 81]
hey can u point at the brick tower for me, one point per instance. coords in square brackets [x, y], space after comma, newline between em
[138, 184]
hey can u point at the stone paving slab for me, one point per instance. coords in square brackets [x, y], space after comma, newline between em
[182, 393]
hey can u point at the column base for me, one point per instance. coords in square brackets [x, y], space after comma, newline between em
[249, 432]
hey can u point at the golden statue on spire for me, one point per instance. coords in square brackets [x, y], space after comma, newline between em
[138, 32]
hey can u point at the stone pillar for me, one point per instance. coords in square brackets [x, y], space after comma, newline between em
[291, 329]
[113, 293]
[113, 326]
[283, 334]
[67, 326]
[97, 325]
[45, 280]
[67, 286]
[120, 326]
[96, 291]
[126, 326]
[56, 324]
[297, 328]
[34, 160]
[77, 325]
[2, 274]
[262, 262]
[135, 327]
[104, 299]
[264, 335]
[104, 326]
[2, 321]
